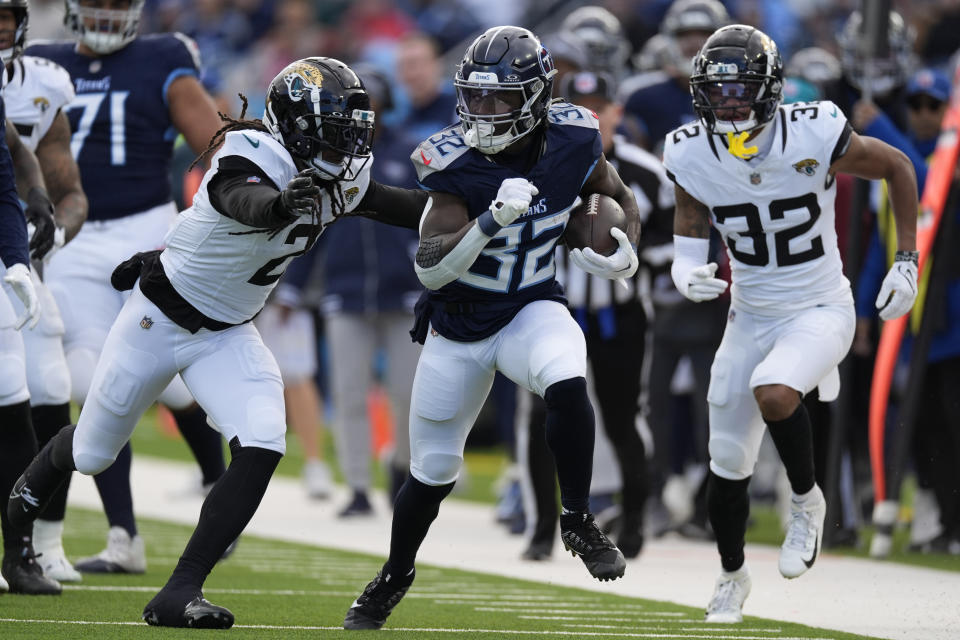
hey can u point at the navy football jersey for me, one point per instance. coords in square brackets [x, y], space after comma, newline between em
[122, 133]
[13, 226]
[517, 266]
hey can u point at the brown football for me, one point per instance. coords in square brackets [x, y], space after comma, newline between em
[590, 223]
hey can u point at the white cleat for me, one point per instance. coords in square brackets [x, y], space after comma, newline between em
[122, 555]
[317, 479]
[804, 533]
[726, 605]
[48, 545]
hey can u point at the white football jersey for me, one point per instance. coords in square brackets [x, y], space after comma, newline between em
[34, 93]
[226, 269]
[775, 213]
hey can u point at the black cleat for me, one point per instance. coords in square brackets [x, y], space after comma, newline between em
[24, 575]
[370, 610]
[582, 537]
[167, 610]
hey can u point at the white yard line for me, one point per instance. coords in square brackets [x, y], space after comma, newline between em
[849, 594]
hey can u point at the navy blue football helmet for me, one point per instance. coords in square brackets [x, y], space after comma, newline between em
[319, 105]
[737, 81]
[503, 88]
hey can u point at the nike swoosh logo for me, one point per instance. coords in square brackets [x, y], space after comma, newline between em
[253, 143]
[834, 113]
[425, 160]
[813, 558]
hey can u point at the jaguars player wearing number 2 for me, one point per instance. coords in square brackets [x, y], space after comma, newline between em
[763, 175]
[502, 183]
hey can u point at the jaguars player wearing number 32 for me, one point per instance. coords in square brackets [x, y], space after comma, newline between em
[763, 175]
[502, 183]
[271, 189]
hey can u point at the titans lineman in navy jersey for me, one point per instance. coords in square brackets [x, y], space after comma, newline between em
[133, 95]
[502, 184]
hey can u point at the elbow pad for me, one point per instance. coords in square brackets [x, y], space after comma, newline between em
[435, 271]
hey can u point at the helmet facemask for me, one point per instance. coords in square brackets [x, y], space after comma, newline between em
[730, 105]
[496, 114]
[103, 30]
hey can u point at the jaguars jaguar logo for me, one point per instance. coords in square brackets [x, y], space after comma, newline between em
[301, 78]
[807, 167]
[41, 103]
[350, 195]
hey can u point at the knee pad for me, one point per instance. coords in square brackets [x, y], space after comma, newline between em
[91, 463]
[436, 469]
[81, 363]
[49, 382]
[176, 396]
[13, 379]
[728, 459]
[266, 425]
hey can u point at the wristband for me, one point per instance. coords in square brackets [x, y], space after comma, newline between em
[904, 256]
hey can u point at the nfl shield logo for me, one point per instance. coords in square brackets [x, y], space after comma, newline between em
[146, 322]
[754, 178]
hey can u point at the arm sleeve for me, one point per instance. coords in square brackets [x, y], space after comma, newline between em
[13, 225]
[392, 205]
[242, 191]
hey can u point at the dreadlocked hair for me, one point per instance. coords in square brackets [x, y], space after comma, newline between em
[231, 125]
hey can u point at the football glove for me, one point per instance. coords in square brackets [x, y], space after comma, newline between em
[18, 277]
[513, 200]
[700, 284]
[39, 213]
[621, 264]
[899, 288]
[299, 198]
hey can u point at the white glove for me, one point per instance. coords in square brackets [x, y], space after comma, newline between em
[512, 201]
[621, 264]
[18, 277]
[899, 288]
[700, 285]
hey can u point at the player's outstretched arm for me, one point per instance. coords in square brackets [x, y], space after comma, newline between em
[873, 159]
[691, 273]
[450, 241]
[392, 205]
[62, 176]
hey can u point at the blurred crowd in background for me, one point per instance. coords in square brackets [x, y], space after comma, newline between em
[353, 295]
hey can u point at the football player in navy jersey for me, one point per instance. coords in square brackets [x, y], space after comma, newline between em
[502, 183]
[272, 188]
[133, 94]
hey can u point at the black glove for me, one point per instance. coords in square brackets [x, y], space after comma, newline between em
[299, 198]
[39, 213]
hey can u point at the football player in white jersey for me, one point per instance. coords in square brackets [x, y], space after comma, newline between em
[763, 175]
[35, 91]
[271, 189]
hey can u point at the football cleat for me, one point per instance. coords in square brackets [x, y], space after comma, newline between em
[24, 575]
[166, 610]
[804, 534]
[48, 544]
[726, 605]
[4, 587]
[538, 551]
[371, 609]
[359, 506]
[582, 537]
[122, 555]
[317, 479]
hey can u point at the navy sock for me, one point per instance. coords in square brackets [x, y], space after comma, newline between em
[729, 507]
[570, 434]
[793, 437]
[414, 510]
[205, 443]
[113, 483]
[48, 419]
[18, 446]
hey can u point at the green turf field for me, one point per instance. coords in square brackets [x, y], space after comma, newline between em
[280, 590]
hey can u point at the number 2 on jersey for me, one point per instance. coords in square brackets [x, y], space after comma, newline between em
[91, 103]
